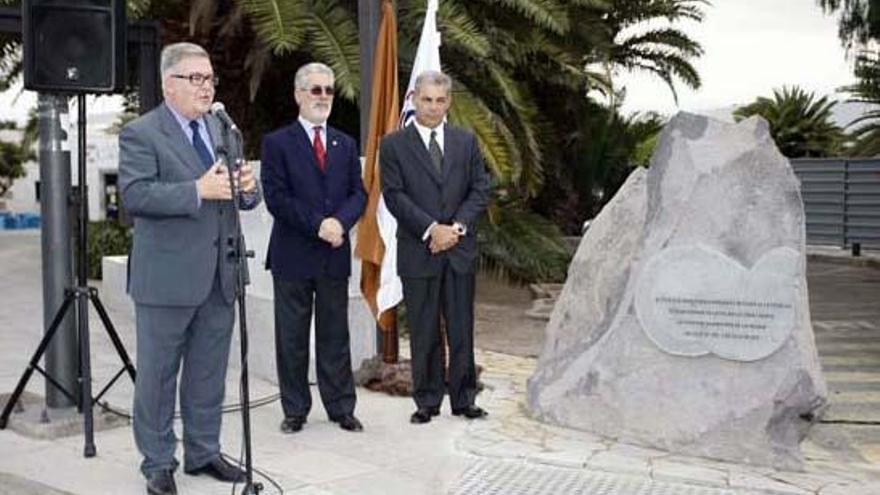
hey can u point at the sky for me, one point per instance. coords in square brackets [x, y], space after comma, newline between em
[751, 47]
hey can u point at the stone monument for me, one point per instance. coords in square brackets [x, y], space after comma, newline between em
[684, 323]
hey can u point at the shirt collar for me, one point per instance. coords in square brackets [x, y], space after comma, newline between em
[425, 133]
[310, 126]
[184, 122]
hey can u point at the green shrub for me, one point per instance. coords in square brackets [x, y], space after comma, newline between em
[522, 246]
[106, 238]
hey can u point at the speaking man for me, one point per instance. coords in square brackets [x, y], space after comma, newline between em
[181, 276]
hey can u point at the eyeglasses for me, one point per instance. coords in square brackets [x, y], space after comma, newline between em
[197, 79]
[317, 90]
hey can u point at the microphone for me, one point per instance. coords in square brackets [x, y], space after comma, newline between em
[219, 111]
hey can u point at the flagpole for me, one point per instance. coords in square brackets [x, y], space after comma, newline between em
[369, 15]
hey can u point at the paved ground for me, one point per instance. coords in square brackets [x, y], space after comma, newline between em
[508, 454]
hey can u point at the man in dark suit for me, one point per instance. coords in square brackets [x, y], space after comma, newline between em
[181, 277]
[311, 178]
[435, 184]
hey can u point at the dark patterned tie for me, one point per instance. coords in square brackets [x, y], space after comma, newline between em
[435, 152]
[318, 146]
[200, 146]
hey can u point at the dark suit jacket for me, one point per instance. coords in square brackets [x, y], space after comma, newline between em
[417, 195]
[178, 244]
[299, 196]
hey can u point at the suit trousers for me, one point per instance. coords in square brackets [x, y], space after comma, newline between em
[452, 293]
[199, 336]
[293, 319]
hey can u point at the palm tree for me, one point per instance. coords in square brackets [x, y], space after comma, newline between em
[500, 53]
[514, 63]
[801, 124]
[500, 61]
[859, 20]
[866, 128]
[662, 50]
[859, 26]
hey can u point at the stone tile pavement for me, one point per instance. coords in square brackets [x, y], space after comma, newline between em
[509, 453]
[510, 434]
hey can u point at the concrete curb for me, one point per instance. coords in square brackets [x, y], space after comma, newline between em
[864, 261]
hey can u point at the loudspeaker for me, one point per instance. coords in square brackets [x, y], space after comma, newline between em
[74, 46]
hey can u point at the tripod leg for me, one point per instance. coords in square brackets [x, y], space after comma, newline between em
[111, 331]
[35, 360]
[86, 373]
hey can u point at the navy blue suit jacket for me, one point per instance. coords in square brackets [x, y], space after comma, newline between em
[299, 196]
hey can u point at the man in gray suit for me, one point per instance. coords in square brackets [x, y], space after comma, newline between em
[180, 274]
[436, 186]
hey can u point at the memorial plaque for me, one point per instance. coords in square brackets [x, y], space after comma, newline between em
[684, 323]
[693, 300]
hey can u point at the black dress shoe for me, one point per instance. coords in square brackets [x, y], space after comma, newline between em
[423, 415]
[220, 470]
[470, 412]
[348, 422]
[161, 483]
[293, 424]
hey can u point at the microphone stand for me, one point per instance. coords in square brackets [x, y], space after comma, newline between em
[238, 253]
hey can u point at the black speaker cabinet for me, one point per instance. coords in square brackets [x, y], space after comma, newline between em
[74, 46]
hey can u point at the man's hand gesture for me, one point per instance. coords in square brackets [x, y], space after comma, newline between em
[214, 184]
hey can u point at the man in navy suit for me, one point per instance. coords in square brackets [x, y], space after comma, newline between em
[312, 184]
[181, 276]
[436, 186]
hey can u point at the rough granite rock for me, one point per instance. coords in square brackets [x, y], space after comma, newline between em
[641, 347]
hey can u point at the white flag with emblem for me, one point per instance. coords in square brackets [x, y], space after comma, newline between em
[427, 58]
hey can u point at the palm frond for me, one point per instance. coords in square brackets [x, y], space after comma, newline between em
[546, 14]
[525, 127]
[459, 28]
[137, 8]
[256, 63]
[10, 61]
[333, 37]
[201, 16]
[800, 123]
[496, 140]
[278, 23]
[522, 246]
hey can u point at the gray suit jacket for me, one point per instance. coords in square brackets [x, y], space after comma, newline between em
[179, 244]
[417, 195]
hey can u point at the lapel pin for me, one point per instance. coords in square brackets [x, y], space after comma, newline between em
[334, 142]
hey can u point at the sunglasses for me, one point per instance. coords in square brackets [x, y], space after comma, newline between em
[318, 90]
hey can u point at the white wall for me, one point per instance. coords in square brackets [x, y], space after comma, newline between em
[102, 154]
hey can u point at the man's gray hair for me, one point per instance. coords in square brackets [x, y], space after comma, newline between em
[433, 77]
[311, 68]
[175, 52]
